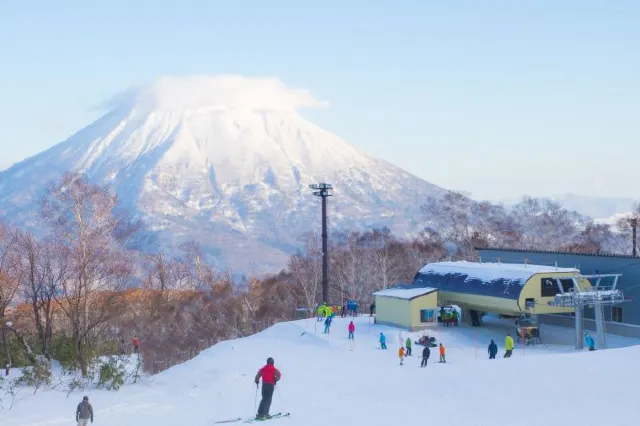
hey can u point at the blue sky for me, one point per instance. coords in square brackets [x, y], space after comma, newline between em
[497, 98]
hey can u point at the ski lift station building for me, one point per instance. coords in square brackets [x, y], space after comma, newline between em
[500, 288]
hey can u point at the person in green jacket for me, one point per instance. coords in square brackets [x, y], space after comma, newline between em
[508, 345]
[408, 345]
[322, 311]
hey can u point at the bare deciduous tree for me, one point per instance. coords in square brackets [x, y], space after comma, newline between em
[9, 280]
[88, 230]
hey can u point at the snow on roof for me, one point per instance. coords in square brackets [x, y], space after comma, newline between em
[404, 293]
[493, 271]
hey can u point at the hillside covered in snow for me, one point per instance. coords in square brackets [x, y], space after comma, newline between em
[225, 160]
[323, 380]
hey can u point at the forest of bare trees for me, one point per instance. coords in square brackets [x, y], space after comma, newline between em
[90, 281]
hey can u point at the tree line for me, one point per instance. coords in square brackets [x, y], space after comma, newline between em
[90, 282]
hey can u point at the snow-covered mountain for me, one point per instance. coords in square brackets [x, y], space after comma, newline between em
[225, 160]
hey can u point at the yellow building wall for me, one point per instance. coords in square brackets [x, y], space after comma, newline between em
[532, 290]
[428, 301]
[404, 313]
[393, 311]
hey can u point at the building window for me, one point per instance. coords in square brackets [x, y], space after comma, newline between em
[548, 287]
[616, 314]
[567, 285]
[427, 315]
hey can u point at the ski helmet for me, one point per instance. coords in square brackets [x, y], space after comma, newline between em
[270, 360]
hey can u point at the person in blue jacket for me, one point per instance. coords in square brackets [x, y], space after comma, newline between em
[383, 341]
[590, 343]
[327, 324]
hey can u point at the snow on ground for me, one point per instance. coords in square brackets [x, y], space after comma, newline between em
[325, 382]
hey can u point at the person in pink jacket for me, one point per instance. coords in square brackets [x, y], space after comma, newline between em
[352, 328]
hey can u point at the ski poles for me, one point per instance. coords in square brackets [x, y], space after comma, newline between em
[255, 399]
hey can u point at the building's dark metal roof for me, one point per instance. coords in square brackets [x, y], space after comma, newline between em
[503, 280]
[610, 255]
[505, 288]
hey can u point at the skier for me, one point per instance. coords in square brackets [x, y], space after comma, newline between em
[327, 324]
[352, 328]
[383, 341]
[508, 345]
[493, 349]
[84, 412]
[425, 356]
[270, 377]
[401, 354]
[136, 344]
[372, 309]
[408, 345]
[442, 358]
[590, 343]
[343, 313]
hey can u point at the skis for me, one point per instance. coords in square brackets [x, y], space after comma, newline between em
[273, 416]
[229, 421]
[253, 420]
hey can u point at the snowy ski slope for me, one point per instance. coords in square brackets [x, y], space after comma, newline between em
[325, 383]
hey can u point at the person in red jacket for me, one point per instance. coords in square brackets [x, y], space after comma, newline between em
[270, 376]
[352, 328]
[136, 344]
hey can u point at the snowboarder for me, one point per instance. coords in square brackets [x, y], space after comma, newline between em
[442, 357]
[408, 345]
[426, 352]
[508, 346]
[84, 412]
[383, 341]
[372, 309]
[493, 349]
[401, 354]
[590, 343]
[352, 328]
[136, 344]
[327, 324]
[270, 377]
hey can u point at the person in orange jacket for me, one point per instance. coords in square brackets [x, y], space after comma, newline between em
[401, 354]
[442, 359]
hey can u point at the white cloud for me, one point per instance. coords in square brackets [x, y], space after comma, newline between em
[217, 92]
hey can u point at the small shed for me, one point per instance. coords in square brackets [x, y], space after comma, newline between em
[409, 308]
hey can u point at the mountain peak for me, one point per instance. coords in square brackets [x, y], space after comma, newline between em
[225, 160]
[214, 93]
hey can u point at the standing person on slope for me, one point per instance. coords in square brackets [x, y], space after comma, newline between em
[352, 329]
[408, 345]
[426, 352]
[327, 324]
[401, 354]
[442, 356]
[493, 349]
[508, 346]
[270, 377]
[383, 341]
[84, 412]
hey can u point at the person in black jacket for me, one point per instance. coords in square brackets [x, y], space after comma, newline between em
[425, 356]
[493, 349]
